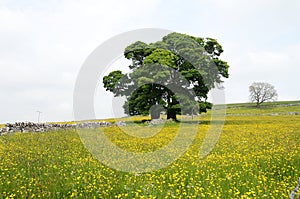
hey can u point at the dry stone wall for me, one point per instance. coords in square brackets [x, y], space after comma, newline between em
[42, 127]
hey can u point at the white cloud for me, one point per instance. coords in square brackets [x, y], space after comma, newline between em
[44, 43]
[279, 68]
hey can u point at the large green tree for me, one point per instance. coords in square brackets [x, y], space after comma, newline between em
[191, 65]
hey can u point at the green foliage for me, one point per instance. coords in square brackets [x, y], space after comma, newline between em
[190, 64]
[111, 80]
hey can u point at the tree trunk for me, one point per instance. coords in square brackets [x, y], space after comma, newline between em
[171, 114]
[258, 104]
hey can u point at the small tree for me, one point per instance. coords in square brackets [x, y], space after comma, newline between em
[262, 92]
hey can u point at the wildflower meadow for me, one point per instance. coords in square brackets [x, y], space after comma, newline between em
[256, 156]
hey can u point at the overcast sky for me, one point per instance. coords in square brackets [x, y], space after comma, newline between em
[44, 43]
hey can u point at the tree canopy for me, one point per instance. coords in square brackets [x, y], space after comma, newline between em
[174, 74]
[262, 92]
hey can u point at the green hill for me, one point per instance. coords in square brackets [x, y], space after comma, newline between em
[256, 156]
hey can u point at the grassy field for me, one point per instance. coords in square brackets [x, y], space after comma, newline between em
[270, 108]
[257, 156]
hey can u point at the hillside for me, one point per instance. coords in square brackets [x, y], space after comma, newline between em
[256, 156]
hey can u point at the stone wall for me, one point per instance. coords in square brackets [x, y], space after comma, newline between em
[42, 127]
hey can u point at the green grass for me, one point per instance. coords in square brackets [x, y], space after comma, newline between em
[265, 104]
[257, 156]
[280, 108]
